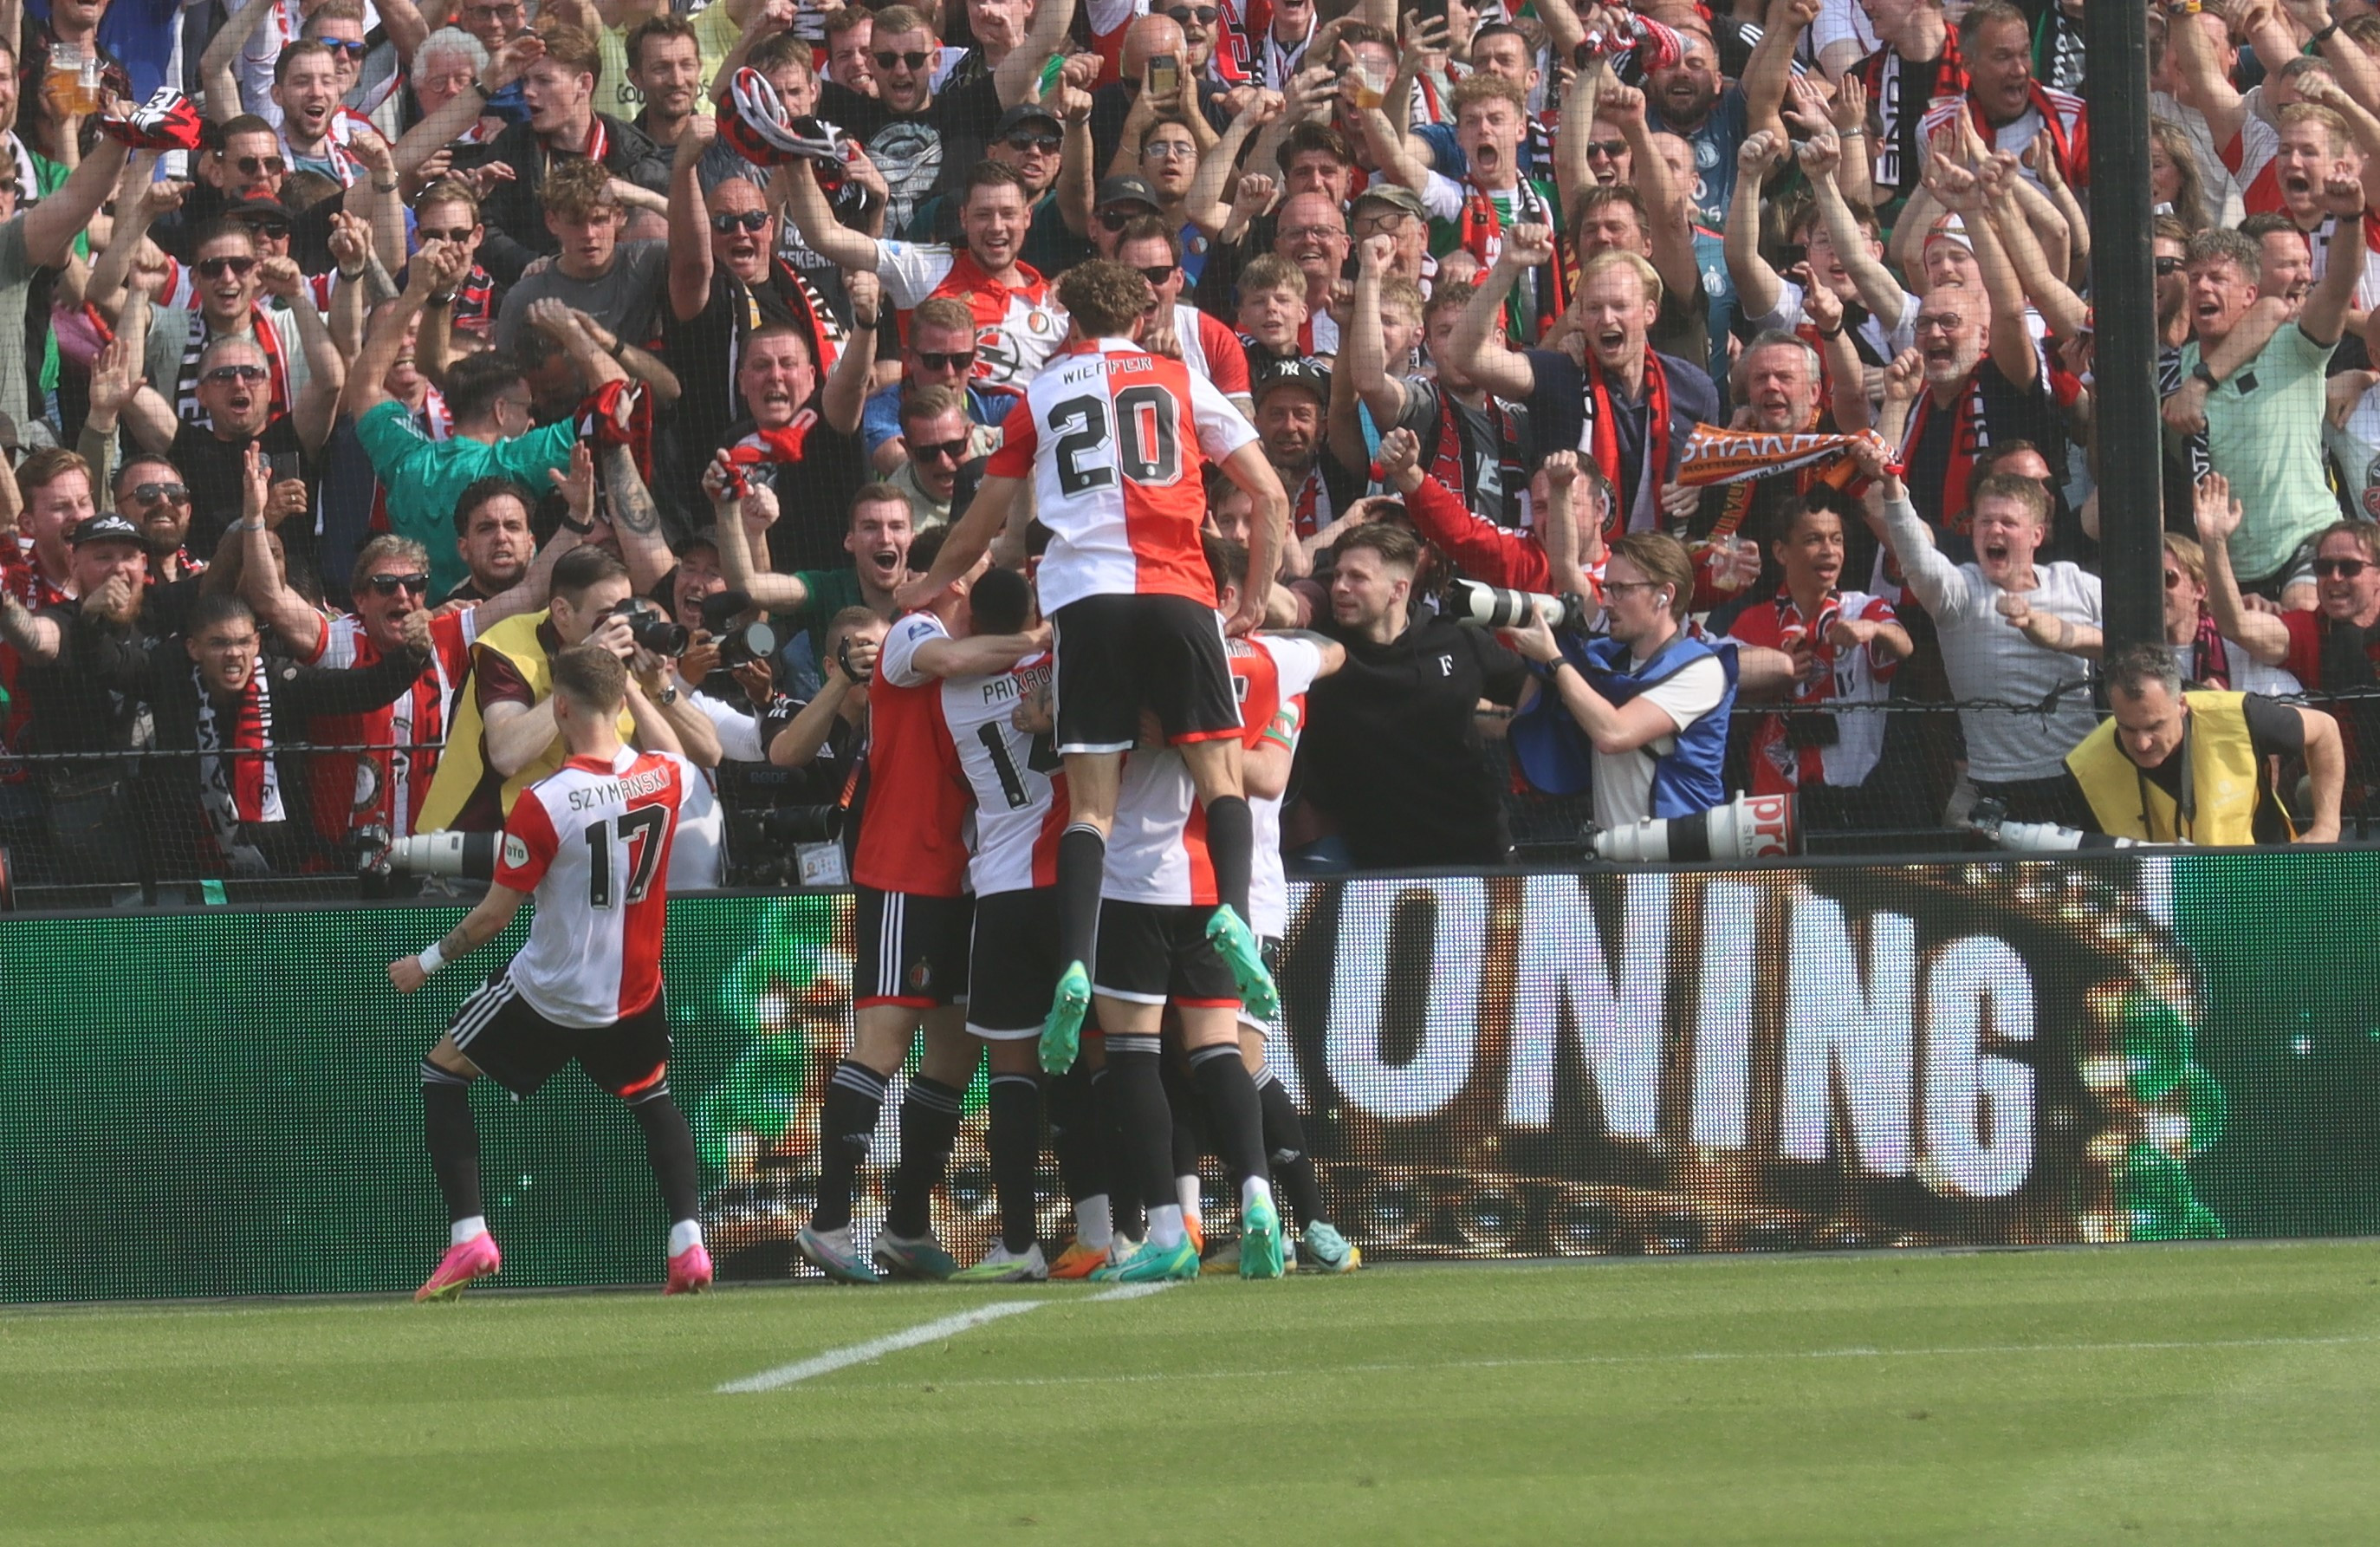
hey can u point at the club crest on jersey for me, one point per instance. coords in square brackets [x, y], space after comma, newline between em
[920, 975]
[515, 852]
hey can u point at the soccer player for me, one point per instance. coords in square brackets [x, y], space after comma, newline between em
[1110, 437]
[592, 842]
[911, 925]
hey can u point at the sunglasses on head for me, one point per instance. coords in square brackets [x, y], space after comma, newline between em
[955, 450]
[1024, 140]
[216, 268]
[885, 59]
[259, 166]
[957, 360]
[749, 220]
[1205, 16]
[235, 373]
[2346, 569]
[459, 234]
[341, 45]
[2166, 266]
[389, 585]
[150, 493]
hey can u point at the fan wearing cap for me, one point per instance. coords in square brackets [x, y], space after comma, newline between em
[1291, 405]
[1032, 138]
[921, 140]
[1018, 321]
[1395, 212]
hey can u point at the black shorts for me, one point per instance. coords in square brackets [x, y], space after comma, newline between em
[1117, 655]
[1014, 968]
[1156, 954]
[910, 949]
[520, 1049]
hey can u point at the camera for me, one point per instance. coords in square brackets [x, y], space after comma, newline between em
[1990, 818]
[1748, 828]
[470, 855]
[755, 641]
[650, 628]
[1489, 606]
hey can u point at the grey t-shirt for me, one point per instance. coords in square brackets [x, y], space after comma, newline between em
[627, 300]
[16, 279]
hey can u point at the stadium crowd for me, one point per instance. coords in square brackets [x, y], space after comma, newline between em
[375, 353]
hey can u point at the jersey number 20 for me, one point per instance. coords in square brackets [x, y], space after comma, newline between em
[641, 830]
[1149, 449]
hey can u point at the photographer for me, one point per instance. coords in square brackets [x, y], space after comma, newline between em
[503, 738]
[1651, 699]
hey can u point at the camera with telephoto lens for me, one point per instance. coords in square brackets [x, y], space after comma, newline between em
[1489, 606]
[1989, 817]
[755, 641]
[469, 856]
[652, 628]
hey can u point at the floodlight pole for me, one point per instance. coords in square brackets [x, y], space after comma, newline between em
[2123, 295]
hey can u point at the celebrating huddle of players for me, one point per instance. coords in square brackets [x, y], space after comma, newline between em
[1123, 765]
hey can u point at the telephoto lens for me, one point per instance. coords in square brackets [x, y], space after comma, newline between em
[1748, 828]
[471, 856]
[652, 628]
[1497, 607]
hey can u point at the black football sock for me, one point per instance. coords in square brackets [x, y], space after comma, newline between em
[1231, 845]
[1075, 1134]
[669, 1145]
[929, 1124]
[452, 1137]
[855, 1099]
[1128, 1214]
[1082, 862]
[1284, 1136]
[1144, 1127]
[1182, 1099]
[1015, 1141]
[1235, 1116]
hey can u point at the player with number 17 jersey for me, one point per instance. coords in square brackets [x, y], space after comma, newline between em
[1121, 491]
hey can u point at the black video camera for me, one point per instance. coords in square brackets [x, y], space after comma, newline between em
[652, 628]
[755, 641]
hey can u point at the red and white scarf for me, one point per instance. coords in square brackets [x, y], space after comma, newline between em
[1969, 435]
[1600, 440]
[238, 781]
[1480, 232]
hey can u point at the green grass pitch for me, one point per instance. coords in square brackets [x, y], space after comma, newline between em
[2216, 1393]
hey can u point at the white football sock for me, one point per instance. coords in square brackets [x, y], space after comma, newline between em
[684, 1234]
[1094, 1221]
[1165, 1230]
[1254, 1189]
[465, 1229]
[1186, 1189]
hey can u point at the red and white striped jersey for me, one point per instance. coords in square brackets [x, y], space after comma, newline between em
[593, 841]
[1296, 663]
[1015, 327]
[913, 831]
[1111, 437]
[386, 788]
[1212, 349]
[1157, 852]
[1020, 790]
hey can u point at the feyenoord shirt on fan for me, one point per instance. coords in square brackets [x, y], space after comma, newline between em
[386, 788]
[913, 833]
[591, 840]
[1020, 790]
[1111, 434]
[1015, 328]
[1157, 852]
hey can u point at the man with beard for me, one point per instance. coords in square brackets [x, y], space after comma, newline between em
[665, 67]
[2334, 648]
[1470, 442]
[939, 351]
[1685, 99]
[149, 491]
[1017, 320]
[230, 275]
[877, 540]
[1631, 409]
[1290, 402]
[492, 431]
[498, 545]
[2009, 108]
[2264, 419]
[935, 441]
[233, 397]
[306, 89]
[917, 140]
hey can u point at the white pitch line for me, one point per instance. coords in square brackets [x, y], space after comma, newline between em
[877, 1348]
[1687, 1356]
[930, 1331]
[1140, 1291]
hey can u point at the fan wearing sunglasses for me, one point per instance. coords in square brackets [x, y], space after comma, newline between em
[2336, 647]
[917, 136]
[939, 352]
[235, 402]
[936, 438]
[151, 495]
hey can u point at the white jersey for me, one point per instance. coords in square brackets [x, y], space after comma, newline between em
[591, 840]
[1113, 438]
[1158, 851]
[1296, 663]
[1020, 792]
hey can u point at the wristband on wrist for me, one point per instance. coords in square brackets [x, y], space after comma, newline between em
[352, 277]
[2321, 38]
[446, 300]
[1831, 333]
[581, 527]
[432, 959]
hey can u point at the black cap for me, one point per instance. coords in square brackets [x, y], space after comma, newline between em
[1305, 374]
[1026, 113]
[260, 206]
[1126, 190]
[107, 527]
